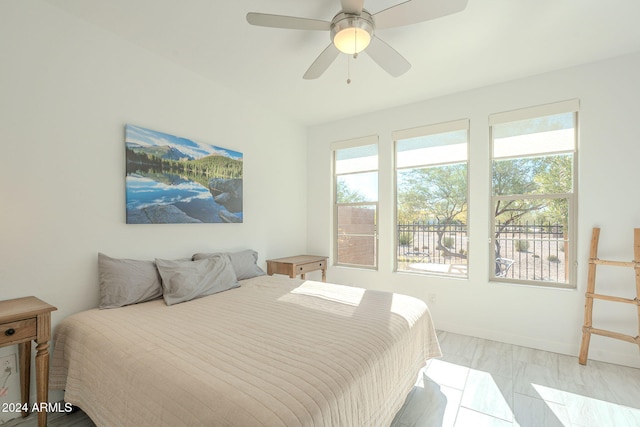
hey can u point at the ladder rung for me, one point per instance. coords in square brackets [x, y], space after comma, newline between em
[632, 264]
[612, 334]
[612, 298]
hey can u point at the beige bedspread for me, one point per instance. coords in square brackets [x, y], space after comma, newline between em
[274, 352]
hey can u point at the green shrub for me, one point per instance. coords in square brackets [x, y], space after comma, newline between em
[405, 238]
[522, 245]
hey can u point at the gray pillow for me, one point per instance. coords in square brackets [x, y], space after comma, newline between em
[244, 262]
[127, 281]
[186, 280]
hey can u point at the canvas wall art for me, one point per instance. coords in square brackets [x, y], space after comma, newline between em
[174, 180]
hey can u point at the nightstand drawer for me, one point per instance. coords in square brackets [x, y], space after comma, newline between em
[312, 266]
[21, 330]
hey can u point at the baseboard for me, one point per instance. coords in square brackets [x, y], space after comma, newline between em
[567, 348]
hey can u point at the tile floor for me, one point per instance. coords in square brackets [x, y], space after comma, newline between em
[487, 383]
[481, 383]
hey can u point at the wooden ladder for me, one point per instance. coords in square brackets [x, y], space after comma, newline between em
[588, 329]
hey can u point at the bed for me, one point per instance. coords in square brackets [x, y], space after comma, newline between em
[273, 351]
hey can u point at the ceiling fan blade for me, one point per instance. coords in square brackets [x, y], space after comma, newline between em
[289, 22]
[352, 6]
[387, 57]
[322, 62]
[414, 11]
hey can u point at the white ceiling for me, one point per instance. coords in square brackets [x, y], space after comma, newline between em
[491, 41]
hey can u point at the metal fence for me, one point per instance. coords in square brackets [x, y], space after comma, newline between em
[526, 251]
[539, 251]
[440, 244]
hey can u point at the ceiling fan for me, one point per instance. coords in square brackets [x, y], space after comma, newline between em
[352, 30]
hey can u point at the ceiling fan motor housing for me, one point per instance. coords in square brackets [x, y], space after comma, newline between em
[362, 25]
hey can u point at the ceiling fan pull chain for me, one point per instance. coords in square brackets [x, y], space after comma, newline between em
[355, 55]
[355, 43]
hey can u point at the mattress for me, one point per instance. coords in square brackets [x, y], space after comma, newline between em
[273, 352]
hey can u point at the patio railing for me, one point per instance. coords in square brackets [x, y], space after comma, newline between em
[526, 251]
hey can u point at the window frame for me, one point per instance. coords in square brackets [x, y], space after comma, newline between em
[423, 131]
[562, 107]
[335, 147]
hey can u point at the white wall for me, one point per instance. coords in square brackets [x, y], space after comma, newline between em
[609, 155]
[67, 90]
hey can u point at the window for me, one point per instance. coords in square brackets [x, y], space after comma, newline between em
[533, 155]
[431, 199]
[356, 202]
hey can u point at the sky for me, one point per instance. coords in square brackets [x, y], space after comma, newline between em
[148, 138]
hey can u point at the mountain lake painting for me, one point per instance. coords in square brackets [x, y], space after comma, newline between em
[173, 180]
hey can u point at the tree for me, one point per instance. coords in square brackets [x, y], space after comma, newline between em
[527, 176]
[557, 179]
[434, 194]
[344, 194]
[516, 177]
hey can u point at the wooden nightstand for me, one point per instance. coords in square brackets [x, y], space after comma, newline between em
[23, 320]
[300, 264]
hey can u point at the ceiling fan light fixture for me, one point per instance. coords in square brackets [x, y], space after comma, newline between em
[352, 40]
[352, 33]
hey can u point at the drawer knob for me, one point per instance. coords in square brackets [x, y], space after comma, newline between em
[9, 332]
